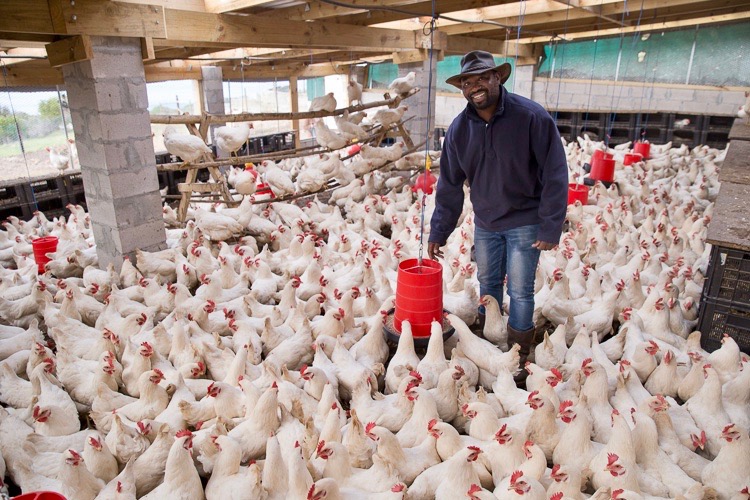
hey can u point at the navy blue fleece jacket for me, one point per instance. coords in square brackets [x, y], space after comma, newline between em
[515, 166]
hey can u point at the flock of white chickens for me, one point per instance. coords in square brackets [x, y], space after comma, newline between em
[259, 368]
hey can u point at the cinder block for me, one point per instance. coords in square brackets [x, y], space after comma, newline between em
[140, 236]
[101, 211]
[124, 125]
[137, 210]
[128, 183]
[109, 96]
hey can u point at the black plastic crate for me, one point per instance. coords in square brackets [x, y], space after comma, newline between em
[729, 276]
[718, 317]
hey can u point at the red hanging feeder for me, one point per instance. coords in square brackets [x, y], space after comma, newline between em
[631, 158]
[41, 247]
[603, 167]
[643, 148]
[578, 192]
[425, 182]
[40, 495]
[419, 299]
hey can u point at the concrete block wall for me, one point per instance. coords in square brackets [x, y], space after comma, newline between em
[628, 97]
[109, 111]
[421, 103]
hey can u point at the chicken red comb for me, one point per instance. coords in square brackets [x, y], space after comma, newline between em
[335, 406]
[475, 449]
[616, 493]
[369, 427]
[183, 433]
[398, 487]
[532, 394]
[274, 385]
[431, 424]
[296, 444]
[565, 405]
[473, 489]
[118, 488]
[586, 362]
[726, 428]
[557, 496]
[311, 492]
[555, 469]
[528, 443]
[415, 374]
[321, 445]
[302, 370]
[74, 453]
[159, 372]
[515, 476]
[557, 373]
[612, 458]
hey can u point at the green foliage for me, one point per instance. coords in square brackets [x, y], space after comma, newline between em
[50, 108]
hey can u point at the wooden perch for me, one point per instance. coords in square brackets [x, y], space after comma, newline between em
[332, 184]
[247, 117]
[279, 155]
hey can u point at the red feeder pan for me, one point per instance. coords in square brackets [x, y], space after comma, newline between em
[354, 150]
[40, 495]
[631, 158]
[578, 192]
[41, 247]
[643, 148]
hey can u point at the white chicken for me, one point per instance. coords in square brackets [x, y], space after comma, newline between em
[188, 147]
[230, 139]
[325, 102]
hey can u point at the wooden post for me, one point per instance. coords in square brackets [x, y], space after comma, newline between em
[294, 98]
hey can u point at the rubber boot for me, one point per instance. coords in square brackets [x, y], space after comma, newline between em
[524, 339]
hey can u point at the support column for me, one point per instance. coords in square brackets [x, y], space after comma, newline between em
[109, 111]
[422, 101]
[212, 97]
[294, 106]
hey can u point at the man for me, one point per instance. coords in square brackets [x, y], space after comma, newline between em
[509, 151]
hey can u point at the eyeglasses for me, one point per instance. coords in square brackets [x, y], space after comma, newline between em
[481, 79]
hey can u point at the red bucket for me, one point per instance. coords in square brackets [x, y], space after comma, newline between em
[43, 246]
[603, 169]
[40, 495]
[419, 295]
[643, 148]
[578, 192]
[631, 158]
[599, 154]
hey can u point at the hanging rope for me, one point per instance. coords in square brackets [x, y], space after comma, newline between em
[562, 61]
[427, 159]
[18, 132]
[593, 66]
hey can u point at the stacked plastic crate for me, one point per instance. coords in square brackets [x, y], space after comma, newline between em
[725, 308]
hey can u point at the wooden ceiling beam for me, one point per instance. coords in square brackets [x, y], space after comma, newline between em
[560, 14]
[596, 11]
[647, 27]
[20, 55]
[223, 6]
[313, 11]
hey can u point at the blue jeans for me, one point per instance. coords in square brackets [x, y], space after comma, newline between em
[509, 252]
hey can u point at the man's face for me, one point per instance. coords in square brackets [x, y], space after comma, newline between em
[483, 90]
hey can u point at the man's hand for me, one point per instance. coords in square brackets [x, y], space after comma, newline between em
[433, 250]
[543, 245]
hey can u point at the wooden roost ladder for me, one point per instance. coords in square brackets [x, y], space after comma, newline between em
[216, 188]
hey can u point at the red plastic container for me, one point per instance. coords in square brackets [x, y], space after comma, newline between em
[631, 158]
[578, 192]
[419, 295]
[424, 182]
[41, 247]
[643, 148]
[603, 168]
[598, 154]
[40, 495]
